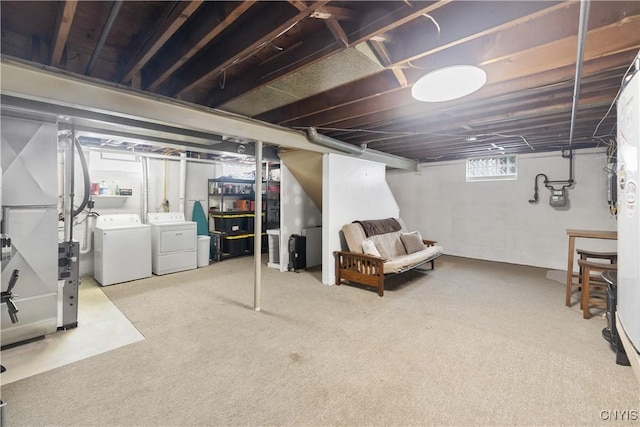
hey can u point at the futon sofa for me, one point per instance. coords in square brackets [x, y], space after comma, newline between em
[381, 247]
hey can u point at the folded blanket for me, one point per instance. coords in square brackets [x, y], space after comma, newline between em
[379, 226]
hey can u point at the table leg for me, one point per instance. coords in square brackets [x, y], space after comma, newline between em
[572, 248]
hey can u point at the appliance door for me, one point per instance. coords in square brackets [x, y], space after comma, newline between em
[628, 210]
[122, 255]
[177, 239]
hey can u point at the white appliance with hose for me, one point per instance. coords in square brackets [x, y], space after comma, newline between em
[173, 243]
[122, 249]
[628, 299]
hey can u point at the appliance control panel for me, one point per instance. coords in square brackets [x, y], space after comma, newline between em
[164, 217]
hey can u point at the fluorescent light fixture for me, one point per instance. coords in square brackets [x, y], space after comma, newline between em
[449, 83]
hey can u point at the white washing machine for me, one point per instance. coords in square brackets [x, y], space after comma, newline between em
[174, 243]
[122, 250]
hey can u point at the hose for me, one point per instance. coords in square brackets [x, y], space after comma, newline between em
[87, 180]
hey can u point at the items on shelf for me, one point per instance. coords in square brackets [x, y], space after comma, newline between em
[231, 214]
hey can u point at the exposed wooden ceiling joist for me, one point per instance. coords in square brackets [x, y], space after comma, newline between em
[64, 19]
[347, 68]
[148, 45]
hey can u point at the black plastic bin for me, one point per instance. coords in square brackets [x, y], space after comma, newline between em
[228, 223]
[234, 245]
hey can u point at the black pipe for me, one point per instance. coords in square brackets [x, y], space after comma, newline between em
[535, 187]
[115, 8]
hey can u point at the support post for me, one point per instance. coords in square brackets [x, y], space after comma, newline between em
[257, 239]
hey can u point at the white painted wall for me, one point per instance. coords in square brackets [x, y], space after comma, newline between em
[111, 169]
[493, 220]
[297, 211]
[352, 189]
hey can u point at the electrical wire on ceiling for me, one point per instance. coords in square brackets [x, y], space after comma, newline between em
[608, 143]
[223, 81]
[615, 98]
[509, 136]
[426, 15]
[256, 50]
[415, 66]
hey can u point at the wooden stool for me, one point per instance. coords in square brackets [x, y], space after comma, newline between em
[594, 288]
[611, 256]
[584, 255]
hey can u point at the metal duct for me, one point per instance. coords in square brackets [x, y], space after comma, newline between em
[390, 160]
[327, 141]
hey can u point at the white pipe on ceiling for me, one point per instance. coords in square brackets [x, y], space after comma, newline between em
[183, 182]
[364, 153]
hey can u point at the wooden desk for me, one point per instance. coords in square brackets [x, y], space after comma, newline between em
[589, 234]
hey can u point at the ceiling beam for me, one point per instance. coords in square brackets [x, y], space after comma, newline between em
[230, 51]
[329, 18]
[486, 49]
[333, 13]
[382, 53]
[64, 19]
[556, 55]
[564, 74]
[390, 21]
[491, 107]
[338, 32]
[342, 95]
[488, 17]
[145, 47]
[317, 47]
[111, 103]
[206, 27]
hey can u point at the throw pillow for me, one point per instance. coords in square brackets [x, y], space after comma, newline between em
[369, 248]
[412, 242]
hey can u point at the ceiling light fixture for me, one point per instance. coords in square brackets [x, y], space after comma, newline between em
[449, 83]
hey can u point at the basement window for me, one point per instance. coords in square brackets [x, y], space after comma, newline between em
[492, 168]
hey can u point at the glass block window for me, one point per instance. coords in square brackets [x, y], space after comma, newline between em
[492, 168]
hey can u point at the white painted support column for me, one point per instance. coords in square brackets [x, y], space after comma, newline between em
[183, 182]
[257, 229]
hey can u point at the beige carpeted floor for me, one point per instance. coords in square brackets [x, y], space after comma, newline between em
[471, 343]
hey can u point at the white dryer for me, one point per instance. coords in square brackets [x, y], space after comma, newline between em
[174, 243]
[122, 250]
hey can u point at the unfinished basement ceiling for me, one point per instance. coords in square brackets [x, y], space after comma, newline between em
[347, 68]
[328, 73]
